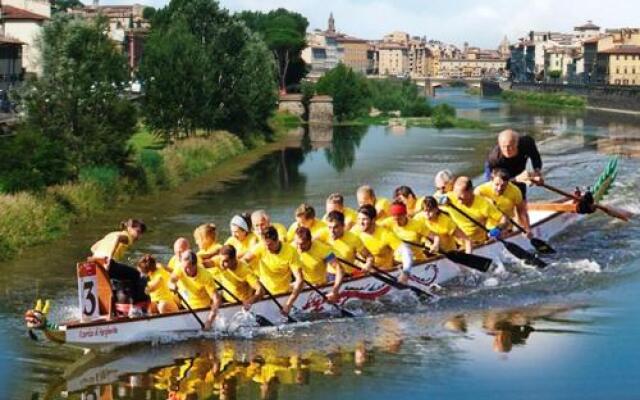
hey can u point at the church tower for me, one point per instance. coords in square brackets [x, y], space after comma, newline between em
[332, 24]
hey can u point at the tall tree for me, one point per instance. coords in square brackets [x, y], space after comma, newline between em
[349, 90]
[204, 69]
[77, 102]
[284, 33]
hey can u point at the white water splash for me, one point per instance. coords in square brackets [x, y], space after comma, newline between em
[585, 265]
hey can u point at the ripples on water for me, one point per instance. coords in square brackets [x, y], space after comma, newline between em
[474, 334]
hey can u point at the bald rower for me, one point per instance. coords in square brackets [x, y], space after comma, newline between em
[511, 154]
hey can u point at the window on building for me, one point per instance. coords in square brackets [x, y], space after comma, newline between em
[617, 57]
[617, 70]
[625, 70]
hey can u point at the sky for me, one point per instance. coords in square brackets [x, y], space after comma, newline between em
[481, 23]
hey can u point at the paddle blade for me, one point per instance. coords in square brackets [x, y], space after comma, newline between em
[470, 260]
[542, 247]
[262, 321]
[524, 255]
[32, 335]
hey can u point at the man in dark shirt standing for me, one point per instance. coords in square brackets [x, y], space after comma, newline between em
[512, 153]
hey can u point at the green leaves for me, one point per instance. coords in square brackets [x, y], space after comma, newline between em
[349, 89]
[203, 69]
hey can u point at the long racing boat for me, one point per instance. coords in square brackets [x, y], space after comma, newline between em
[547, 219]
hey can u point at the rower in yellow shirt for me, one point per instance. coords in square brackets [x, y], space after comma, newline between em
[335, 202]
[382, 243]
[179, 246]
[206, 238]
[406, 229]
[315, 256]
[196, 286]
[406, 195]
[260, 221]
[305, 216]
[278, 264]
[346, 245]
[162, 300]
[242, 239]
[477, 207]
[443, 232]
[506, 196]
[236, 276]
[366, 195]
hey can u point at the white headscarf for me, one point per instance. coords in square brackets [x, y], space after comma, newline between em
[240, 223]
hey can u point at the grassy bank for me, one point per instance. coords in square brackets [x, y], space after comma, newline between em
[27, 219]
[542, 99]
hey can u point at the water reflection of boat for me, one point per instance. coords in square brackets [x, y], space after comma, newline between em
[624, 146]
[198, 370]
[437, 270]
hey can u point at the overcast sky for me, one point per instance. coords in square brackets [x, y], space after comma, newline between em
[481, 23]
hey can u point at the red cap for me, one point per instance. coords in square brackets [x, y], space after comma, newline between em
[398, 209]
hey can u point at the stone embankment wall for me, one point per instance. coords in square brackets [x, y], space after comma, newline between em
[604, 96]
[320, 108]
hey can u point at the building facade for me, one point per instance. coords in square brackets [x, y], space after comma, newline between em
[10, 62]
[622, 65]
[22, 20]
[473, 68]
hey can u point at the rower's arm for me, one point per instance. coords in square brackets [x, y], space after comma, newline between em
[523, 216]
[215, 304]
[339, 276]
[298, 282]
[461, 236]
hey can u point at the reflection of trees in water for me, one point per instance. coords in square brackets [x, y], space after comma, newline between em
[346, 141]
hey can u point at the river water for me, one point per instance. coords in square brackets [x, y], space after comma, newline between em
[568, 332]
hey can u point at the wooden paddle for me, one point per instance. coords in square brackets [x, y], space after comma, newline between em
[539, 244]
[614, 212]
[513, 248]
[290, 319]
[184, 301]
[345, 313]
[473, 261]
[262, 321]
[388, 279]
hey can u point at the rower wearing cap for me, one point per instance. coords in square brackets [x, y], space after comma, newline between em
[407, 229]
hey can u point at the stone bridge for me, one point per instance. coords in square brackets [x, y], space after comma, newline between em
[431, 83]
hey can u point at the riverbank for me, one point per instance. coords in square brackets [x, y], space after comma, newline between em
[541, 99]
[28, 219]
[422, 122]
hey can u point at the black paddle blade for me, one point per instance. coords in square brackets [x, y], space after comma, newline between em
[524, 255]
[262, 321]
[542, 247]
[32, 335]
[480, 263]
[347, 313]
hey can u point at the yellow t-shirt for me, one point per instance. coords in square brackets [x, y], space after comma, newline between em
[160, 278]
[383, 206]
[350, 216]
[244, 245]
[345, 247]
[196, 290]
[442, 226]
[207, 251]
[315, 229]
[282, 234]
[506, 202]
[481, 210]
[274, 270]
[241, 281]
[413, 231]
[111, 241]
[314, 263]
[381, 244]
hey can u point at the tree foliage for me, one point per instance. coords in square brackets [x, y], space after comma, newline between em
[204, 69]
[64, 5]
[75, 113]
[398, 95]
[349, 89]
[284, 33]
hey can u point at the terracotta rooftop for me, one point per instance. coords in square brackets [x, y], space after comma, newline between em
[622, 49]
[588, 26]
[14, 13]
